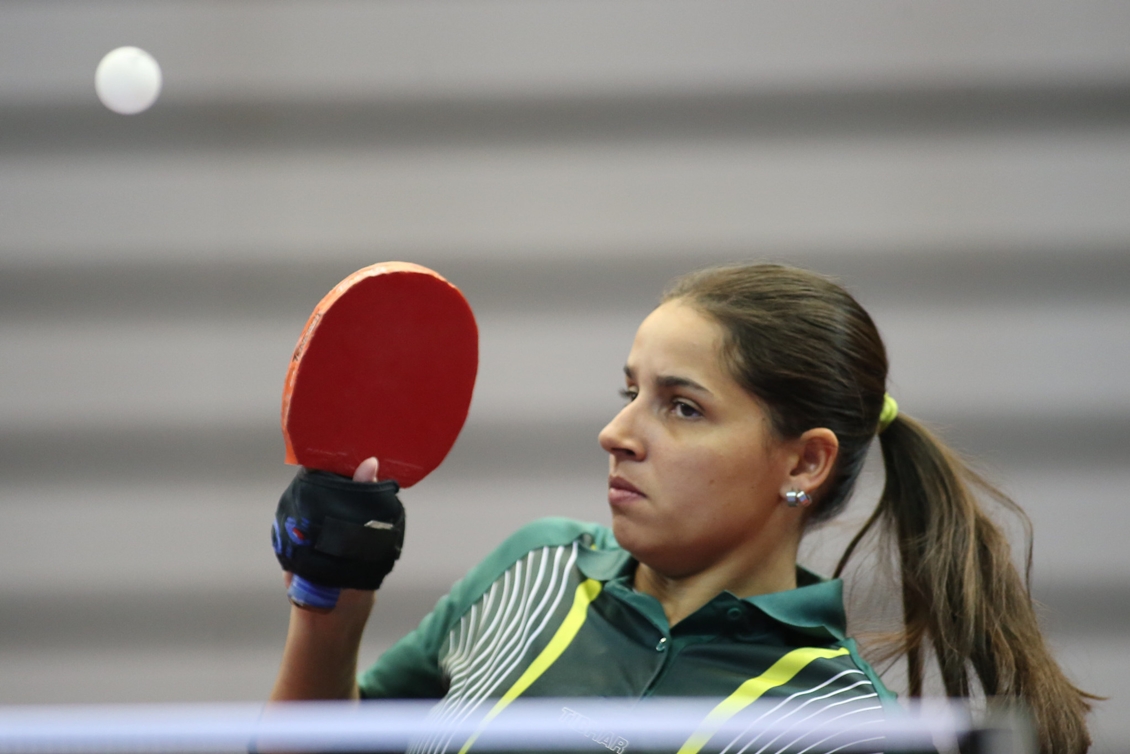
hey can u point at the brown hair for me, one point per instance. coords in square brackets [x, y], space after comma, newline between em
[810, 353]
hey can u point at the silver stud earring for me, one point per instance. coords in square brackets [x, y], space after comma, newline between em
[793, 498]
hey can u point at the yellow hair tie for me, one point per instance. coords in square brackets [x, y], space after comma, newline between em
[889, 412]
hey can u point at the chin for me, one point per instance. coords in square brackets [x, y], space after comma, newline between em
[633, 538]
[627, 534]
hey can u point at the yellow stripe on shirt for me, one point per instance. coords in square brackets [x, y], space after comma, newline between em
[587, 591]
[778, 674]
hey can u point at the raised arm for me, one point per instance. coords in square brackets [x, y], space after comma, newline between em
[320, 657]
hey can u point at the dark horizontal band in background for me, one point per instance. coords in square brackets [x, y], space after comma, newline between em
[621, 280]
[498, 450]
[603, 118]
[178, 618]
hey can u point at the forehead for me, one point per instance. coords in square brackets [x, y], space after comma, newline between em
[677, 339]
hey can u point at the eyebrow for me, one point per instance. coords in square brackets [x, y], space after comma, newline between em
[670, 381]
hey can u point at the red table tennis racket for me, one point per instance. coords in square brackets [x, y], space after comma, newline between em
[385, 367]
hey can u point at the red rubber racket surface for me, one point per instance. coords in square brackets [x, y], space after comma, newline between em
[385, 367]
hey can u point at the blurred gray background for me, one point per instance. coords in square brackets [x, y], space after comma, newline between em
[964, 167]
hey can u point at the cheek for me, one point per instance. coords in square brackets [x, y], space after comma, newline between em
[705, 469]
[726, 471]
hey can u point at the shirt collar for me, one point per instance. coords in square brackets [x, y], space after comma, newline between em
[604, 565]
[816, 606]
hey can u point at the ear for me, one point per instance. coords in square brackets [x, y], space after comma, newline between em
[812, 459]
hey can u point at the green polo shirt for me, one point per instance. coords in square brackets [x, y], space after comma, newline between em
[552, 613]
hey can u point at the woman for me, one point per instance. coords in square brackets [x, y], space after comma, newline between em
[753, 393]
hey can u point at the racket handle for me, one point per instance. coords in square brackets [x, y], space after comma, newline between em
[310, 596]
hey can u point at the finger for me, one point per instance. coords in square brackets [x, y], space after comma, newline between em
[366, 471]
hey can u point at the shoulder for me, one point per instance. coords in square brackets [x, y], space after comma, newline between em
[888, 697]
[552, 532]
[546, 532]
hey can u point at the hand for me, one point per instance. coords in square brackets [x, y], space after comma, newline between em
[361, 599]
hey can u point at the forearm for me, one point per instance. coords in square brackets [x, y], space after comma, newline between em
[320, 658]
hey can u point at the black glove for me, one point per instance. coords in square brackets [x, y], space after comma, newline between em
[336, 532]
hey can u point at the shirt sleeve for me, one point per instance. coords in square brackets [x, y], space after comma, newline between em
[410, 669]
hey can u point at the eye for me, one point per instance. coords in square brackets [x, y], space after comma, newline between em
[628, 394]
[685, 410]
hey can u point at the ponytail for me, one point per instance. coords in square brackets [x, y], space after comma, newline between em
[962, 593]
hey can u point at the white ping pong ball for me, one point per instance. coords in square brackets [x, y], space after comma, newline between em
[128, 80]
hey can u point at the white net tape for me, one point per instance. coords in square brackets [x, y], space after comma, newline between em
[675, 725]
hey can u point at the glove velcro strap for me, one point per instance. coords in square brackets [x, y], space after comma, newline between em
[335, 532]
[346, 539]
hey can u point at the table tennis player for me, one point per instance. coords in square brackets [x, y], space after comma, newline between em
[753, 393]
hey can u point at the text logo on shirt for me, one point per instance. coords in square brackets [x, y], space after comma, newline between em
[588, 729]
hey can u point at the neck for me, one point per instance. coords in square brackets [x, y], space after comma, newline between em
[682, 595]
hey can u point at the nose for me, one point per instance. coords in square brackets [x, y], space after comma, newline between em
[619, 437]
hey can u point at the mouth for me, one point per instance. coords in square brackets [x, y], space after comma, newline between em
[622, 492]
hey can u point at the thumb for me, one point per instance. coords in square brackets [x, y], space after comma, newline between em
[367, 470]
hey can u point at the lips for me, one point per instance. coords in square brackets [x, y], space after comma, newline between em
[622, 492]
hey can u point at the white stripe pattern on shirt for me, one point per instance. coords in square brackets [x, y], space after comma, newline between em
[496, 634]
[861, 696]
